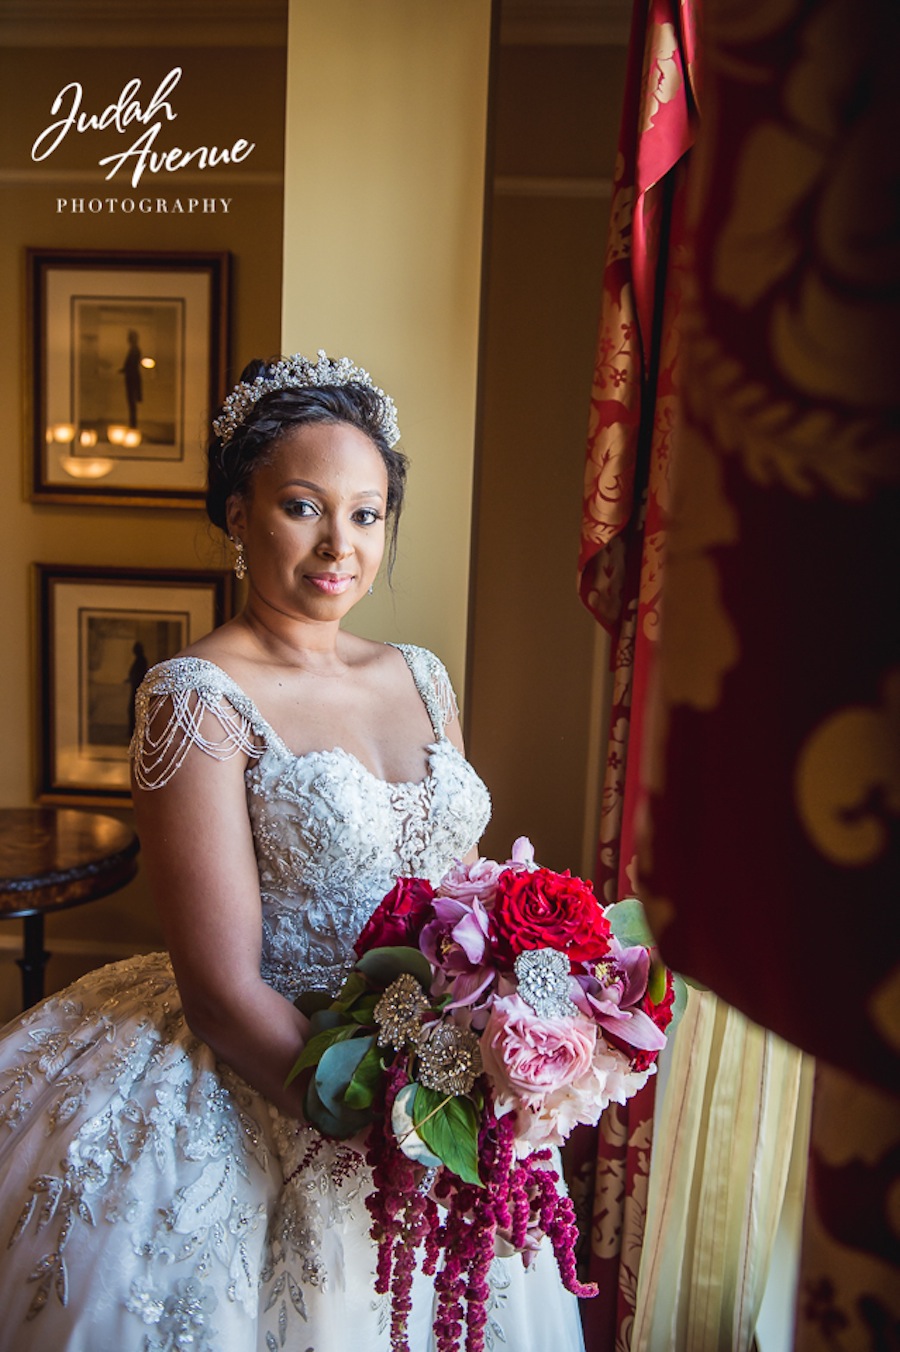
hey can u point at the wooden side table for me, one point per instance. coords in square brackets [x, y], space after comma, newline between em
[53, 858]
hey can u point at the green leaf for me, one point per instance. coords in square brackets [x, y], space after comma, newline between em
[337, 1066]
[318, 1045]
[326, 1018]
[657, 981]
[352, 989]
[366, 1081]
[449, 1127]
[629, 924]
[364, 1010]
[340, 1124]
[384, 965]
[311, 1001]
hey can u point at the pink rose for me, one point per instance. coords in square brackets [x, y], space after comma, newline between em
[471, 882]
[610, 1079]
[528, 1057]
[478, 881]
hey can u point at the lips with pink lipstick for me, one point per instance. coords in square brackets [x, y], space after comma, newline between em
[332, 584]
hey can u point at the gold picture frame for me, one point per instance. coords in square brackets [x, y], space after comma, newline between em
[128, 363]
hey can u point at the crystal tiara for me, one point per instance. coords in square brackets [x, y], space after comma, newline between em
[294, 373]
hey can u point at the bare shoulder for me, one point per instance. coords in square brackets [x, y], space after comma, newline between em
[228, 640]
[371, 660]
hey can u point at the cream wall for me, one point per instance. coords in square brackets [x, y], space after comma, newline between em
[384, 188]
[538, 664]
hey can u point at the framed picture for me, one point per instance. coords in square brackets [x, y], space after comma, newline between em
[100, 630]
[128, 357]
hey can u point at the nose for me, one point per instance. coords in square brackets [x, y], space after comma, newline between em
[335, 541]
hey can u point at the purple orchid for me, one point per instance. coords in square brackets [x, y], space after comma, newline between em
[456, 943]
[610, 993]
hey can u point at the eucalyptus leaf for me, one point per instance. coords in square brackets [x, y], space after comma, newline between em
[337, 1066]
[449, 1128]
[366, 1081]
[384, 965]
[340, 1124]
[629, 924]
[319, 1044]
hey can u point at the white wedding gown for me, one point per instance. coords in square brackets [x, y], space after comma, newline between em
[151, 1200]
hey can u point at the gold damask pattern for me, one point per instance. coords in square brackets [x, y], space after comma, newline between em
[632, 419]
[774, 783]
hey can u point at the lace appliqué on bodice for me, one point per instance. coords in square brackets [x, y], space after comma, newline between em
[330, 836]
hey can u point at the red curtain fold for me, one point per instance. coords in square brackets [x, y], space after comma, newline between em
[632, 417]
[770, 862]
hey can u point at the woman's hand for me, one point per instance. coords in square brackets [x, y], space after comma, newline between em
[503, 1240]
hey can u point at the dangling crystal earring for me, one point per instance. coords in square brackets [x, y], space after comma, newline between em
[240, 563]
[371, 589]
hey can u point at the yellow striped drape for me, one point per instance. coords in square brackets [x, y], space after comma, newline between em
[737, 1106]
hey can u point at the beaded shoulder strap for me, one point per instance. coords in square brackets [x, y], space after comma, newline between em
[193, 689]
[433, 684]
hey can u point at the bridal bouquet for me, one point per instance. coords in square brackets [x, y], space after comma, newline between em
[483, 1020]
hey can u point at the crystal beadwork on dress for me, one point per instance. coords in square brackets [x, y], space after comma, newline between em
[330, 836]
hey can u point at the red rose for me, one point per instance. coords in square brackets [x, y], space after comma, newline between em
[544, 909]
[399, 918]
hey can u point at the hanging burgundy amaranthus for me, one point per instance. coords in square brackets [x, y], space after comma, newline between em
[405, 1217]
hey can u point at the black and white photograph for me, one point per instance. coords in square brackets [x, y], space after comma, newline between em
[128, 354]
[116, 650]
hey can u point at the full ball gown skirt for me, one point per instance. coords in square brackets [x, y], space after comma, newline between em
[151, 1200]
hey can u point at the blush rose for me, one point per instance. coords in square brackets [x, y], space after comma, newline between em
[581, 1102]
[528, 1057]
[471, 882]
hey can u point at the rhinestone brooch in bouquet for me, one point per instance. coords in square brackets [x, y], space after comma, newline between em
[483, 1021]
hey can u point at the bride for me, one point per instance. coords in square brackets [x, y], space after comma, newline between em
[159, 1187]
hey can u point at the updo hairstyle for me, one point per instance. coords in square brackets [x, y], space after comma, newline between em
[231, 465]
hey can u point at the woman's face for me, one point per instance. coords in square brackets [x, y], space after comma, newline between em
[313, 522]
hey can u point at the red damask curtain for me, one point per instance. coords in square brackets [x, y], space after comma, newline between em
[770, 862]
[623, 543]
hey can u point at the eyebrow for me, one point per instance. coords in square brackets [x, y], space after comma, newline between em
[317, 488]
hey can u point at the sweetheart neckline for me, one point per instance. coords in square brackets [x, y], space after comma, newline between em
[431, 749]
